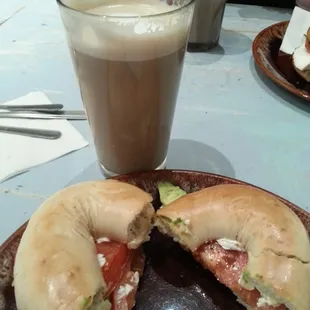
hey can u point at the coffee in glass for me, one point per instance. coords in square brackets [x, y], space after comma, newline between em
[128, 56]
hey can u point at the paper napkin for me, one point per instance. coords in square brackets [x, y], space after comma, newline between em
[20, 153]
[297, 28]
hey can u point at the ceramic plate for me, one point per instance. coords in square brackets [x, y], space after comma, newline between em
[265, 51]
[172, 279]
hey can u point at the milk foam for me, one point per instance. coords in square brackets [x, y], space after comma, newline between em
[128, 38]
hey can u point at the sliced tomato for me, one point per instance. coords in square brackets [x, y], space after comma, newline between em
[117, 256]
[121, 272]
[123, 297]
[227, 266]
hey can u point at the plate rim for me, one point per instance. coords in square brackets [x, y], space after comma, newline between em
[290, 88]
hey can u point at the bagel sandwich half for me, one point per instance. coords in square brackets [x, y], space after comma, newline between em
[301, 58]
[250, 241]
[82, 249]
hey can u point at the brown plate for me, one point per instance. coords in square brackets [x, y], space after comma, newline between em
[172, 279]
[265, 50]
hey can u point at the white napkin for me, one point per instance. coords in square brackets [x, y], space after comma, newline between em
[20, 153]
[297, 28]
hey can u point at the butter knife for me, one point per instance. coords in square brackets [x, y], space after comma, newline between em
[32, 132]
[33, 107]
[69, 115]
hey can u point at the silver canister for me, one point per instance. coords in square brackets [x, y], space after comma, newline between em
[206, 25]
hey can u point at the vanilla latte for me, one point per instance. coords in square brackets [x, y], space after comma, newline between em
[128, 58]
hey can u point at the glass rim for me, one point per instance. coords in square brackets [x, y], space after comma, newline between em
[61, 4]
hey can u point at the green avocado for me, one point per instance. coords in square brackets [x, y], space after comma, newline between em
[169, 193]
[86, 302]
[105, 305]
[102, 305]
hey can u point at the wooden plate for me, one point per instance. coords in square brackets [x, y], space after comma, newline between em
[265, 50]
[172, 279]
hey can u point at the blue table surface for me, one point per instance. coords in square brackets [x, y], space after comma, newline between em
[229, 120]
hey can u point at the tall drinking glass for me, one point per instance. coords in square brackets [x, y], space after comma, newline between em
[304, 4]
[206, 25]
[128, 57]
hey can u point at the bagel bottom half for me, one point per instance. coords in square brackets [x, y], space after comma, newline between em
[248, 239]
[57, 264]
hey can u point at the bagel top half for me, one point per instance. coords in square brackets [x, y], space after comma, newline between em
[274, 237]
[56, 265]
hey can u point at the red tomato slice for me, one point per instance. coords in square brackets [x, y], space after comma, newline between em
[120, 299]
[116, 255]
